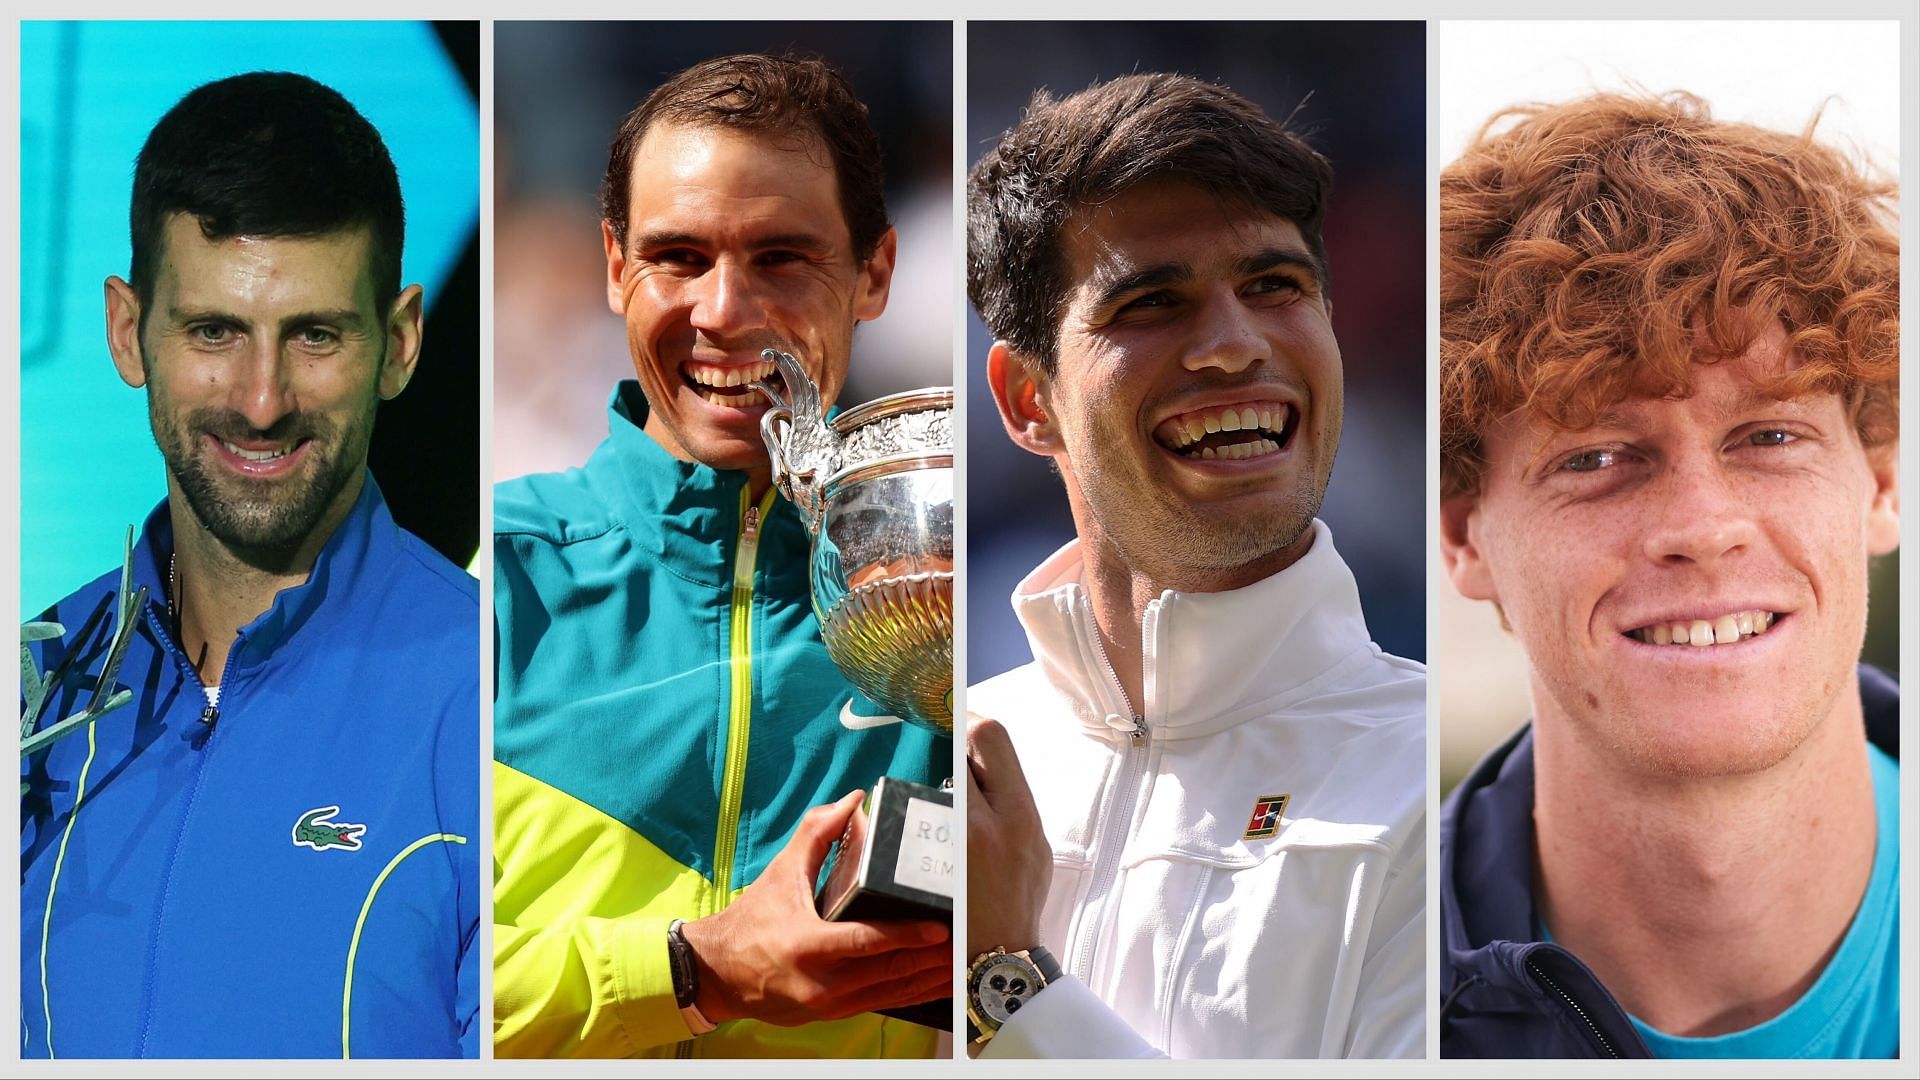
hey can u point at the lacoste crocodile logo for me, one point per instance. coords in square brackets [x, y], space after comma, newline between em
[313, 830]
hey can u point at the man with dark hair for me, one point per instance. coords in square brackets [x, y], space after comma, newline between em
[1227, 846]
[671, 763]
[270, 850]
[1670, 363]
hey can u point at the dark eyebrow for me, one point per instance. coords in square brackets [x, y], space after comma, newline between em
[799, 241]
[1275, 258]
[1149, 278]
[342, 317]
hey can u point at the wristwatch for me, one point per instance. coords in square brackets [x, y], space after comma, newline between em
[1000, 983]
[686, 980]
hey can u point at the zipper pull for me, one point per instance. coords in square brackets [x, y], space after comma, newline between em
[1139, 732]
[210, 716]
[750, 528]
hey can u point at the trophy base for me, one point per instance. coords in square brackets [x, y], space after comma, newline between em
[895, 861]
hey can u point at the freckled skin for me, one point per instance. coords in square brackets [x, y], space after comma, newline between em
[735, 242]
[1718, 502]
[1121, 366]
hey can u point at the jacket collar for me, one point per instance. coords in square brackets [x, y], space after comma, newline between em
[355, 561]
[687, 516]
[1213, 660]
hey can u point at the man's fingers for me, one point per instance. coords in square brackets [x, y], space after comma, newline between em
[817, 831]
[930, 984]
[874, 938]
[895, 966]
[993, 763]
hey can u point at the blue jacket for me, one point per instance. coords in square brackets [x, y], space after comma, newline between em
[1503, 992]
[298, 878]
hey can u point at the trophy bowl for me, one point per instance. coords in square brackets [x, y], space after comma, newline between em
[875, 488]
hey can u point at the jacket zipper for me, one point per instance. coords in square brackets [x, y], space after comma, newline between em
[1575, 1006]
[740, 707]
[210, 716]
[1111, 837]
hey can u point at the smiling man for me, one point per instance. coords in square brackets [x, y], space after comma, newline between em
[670, 763]
[269, 850]
[1669, 368]
[1225, 851]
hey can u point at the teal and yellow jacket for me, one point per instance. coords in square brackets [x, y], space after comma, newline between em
[664, 714]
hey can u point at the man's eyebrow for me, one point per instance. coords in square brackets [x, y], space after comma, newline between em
[800, 241]
[342, 317]
[349, 318]
[1108, 292]
[1275, 258]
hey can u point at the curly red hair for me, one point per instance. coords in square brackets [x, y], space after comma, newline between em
[1596, 250]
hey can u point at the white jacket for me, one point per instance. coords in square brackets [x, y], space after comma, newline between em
[1180, 935]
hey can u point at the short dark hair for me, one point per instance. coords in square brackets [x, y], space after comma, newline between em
[1083, 150]
[757, 92]
[267, 154]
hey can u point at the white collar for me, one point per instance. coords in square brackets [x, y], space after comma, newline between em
[1212, 660]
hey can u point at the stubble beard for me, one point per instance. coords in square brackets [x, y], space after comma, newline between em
[262, 518]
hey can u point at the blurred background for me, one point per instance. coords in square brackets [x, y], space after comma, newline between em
[89, 94]
[560, 93]
[1359, 91]
[1847, 72]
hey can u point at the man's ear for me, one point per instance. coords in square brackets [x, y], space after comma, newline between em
[1883, 513]
[876, 279]
[123, 332]
[405, 332]
[1460, 548]
[1020, 393]
[616, 269]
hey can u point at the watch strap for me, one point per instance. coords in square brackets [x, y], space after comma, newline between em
[686, 980]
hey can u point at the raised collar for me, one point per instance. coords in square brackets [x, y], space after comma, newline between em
[1212, 660]
[683, 514]
[354, 562]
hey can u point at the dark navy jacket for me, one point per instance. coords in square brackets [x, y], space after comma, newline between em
[299, 878]
[1505, 994]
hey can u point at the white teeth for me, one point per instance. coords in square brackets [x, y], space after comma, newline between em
[256, 455]
[1723, 630]
[1229, 421]
[1213, 423]
[728, 375]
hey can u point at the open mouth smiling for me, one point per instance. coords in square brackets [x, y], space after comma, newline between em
[1240, 431]
[1730, 628]
[730, 385]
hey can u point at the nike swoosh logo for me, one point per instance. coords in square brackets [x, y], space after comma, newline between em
[853, 721]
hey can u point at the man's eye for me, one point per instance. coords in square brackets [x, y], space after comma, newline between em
[1148, 301]
[315, 337]
[1587, 461]
[1275, 285]
[211, 333]
[685, 258]
[1772, 437]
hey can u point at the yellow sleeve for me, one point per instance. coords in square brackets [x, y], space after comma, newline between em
[586, 987]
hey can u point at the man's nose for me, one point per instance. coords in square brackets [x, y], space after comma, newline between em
[1227, 336]
[1701, 514]
[727, 299]
[262, 389]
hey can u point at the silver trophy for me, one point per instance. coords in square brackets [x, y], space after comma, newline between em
[874, 487]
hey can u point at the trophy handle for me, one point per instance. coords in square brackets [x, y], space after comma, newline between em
[799, 442]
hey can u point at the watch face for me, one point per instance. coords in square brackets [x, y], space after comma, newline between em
[1002, 986]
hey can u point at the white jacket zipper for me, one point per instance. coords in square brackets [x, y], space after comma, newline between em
[1110, 835]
